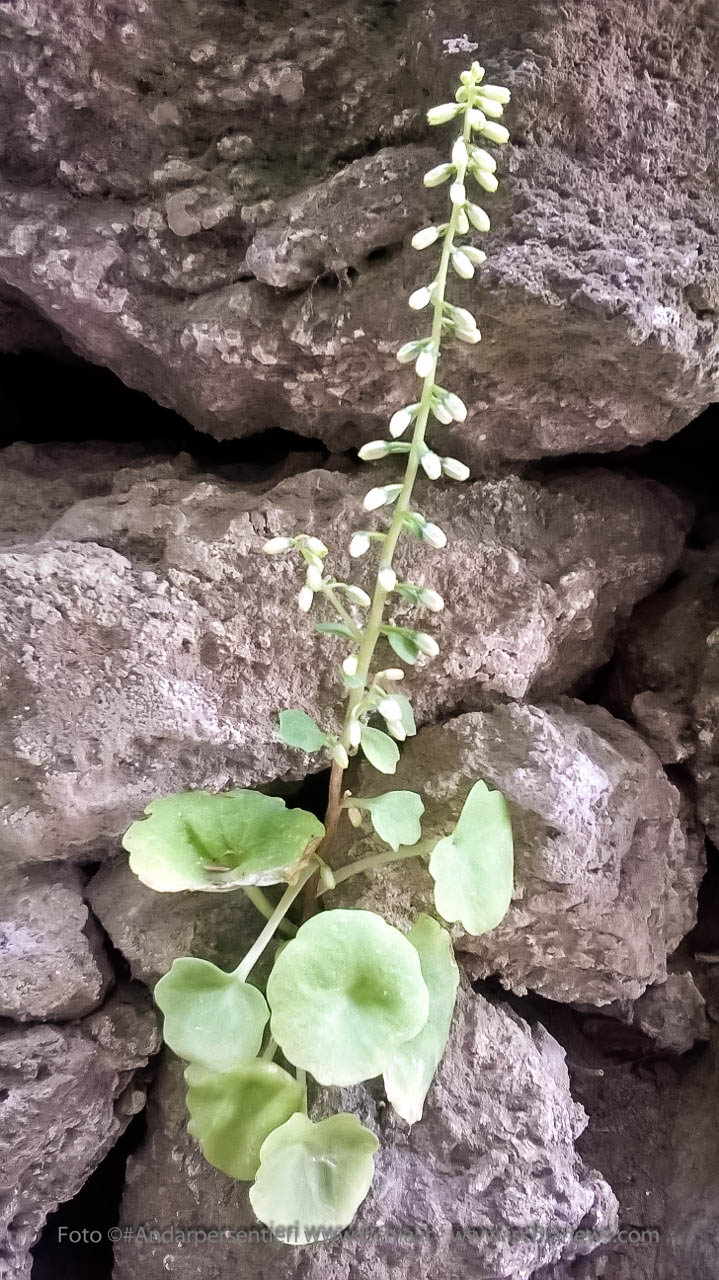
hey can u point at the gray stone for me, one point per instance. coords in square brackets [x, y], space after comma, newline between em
[494, 1152]
[607, 862]
[149, 643]
[67, 1093]
[673, 1013]
[53, 964]
[135, 217]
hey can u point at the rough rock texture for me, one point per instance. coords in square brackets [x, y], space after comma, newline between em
[140, 629]
[66, 1094]
[673, 1013]
[202, 201]
[606, 871]
[150, 929]
[494, 1152]
[667, 675]
[53, 963]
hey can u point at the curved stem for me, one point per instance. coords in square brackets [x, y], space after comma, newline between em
[369, 863]
[265, 908]
[263, 939]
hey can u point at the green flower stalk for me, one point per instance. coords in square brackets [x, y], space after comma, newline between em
[349, 997]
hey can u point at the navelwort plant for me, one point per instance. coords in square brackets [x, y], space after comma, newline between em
[349, 996]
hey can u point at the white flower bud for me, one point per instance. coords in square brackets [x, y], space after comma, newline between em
[339, 755]
[459, 153]
[468, 335]
[431, 600]
[462, 265]
[426, 644]
[495, 132]
[276, 546]
[374, 499]
[373, 450]
[313, 578]
[359, 545]
[424, 238]
[424, 364]
[408, 352]
[315, 545]
[477, 257]
[457, 193]
[442, 114]
[477, 119]
[483, 160]
[420, 298]
[358, 596]
[391, 673]
[349, 666]
[462, 223]
[477, 72]
[399, 422]
[491, 108]
[442, 415]
[435, 536]
[304, 599]
[355, 816]
[462, 316]
[435, 177]
[390, 709]
[397, 729]
[496, 92]
[354, 733]
[478, 218]
[387, 579]
[431, 465]
[486, 180]
[454, 469]
[454, 405]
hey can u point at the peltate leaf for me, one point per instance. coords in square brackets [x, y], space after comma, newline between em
[313, 1176]
[299, 730]
[411, 1071]
[381, 750]
[211, 1017]
[473, 868]
[231, 1113]
[344, 993]
[395, 817]
[197, 840]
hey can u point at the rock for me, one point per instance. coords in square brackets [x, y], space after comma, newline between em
[141, 651]
[67, 1094]
[673, 1013]
[53, 963]
[151, 929]
[134, 216]
[666, 675]
[607, 864]
[452, 1195]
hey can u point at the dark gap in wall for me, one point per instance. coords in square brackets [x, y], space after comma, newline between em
[45, 400]
[58, 1254]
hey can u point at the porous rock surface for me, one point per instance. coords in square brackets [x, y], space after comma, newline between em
[53, 964]
[67, 1092]
[140, 627]
[666, 675]
[607, 860]
[217, 206]
[453, 1195]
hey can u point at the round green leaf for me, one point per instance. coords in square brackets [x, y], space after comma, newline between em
[395, 817]
[197, 840]
[411, 1071]
[381, 750]
[344, 993]
[299, 730]
[211, 1017]
[473, 868]
[404, 647]
[313, 1177]
[231, 1113]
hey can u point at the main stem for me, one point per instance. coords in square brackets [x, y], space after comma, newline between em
[375, 616]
